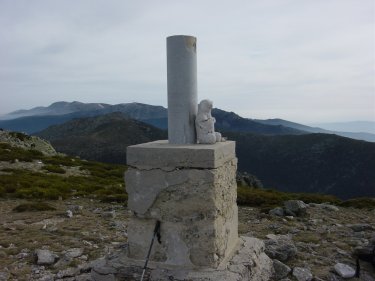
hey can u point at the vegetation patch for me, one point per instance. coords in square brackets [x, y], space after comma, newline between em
[54, 169]
[306, 237]
[12, 154]
[360, 203]
[20, 136]
[269, 198]
[103, 180]
[33, 207]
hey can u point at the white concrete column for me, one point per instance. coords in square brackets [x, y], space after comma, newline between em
[182, 88]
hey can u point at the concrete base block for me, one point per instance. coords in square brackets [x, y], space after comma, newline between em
[192, 191]
[248, 263]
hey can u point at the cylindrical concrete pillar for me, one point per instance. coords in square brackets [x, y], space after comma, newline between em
[182, 88]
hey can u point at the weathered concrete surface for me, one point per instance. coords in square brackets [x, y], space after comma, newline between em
[162, 155]
[248, 263]
[182, 88]
[196, 205]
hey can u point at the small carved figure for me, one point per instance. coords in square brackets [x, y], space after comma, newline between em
[205, 124]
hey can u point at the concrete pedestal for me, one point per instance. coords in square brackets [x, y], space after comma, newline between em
[192, 190]
[249, 263]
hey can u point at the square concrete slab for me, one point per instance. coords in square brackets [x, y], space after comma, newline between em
[162, 155]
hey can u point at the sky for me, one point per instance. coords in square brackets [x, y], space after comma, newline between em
[299, 60]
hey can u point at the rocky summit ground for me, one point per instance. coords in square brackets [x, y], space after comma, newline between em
[65, 243]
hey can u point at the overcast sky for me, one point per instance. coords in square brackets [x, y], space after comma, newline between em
[304, 61]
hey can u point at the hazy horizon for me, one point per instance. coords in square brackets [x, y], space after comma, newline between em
[303, 61]
[312, 124]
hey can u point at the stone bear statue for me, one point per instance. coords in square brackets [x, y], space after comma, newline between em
[205, 124]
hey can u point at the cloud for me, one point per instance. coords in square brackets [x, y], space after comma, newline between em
[300, 60]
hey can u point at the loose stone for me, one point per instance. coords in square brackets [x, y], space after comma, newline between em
[344, 270]
[302, 274]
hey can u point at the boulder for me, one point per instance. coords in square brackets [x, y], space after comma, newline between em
[281, 248]
[280, 270]
[330, 207]
[109, 214]
[295, 208]
[45, 257]
[74, 253]
[4, 275]
[302, 274]
[344, 270]
[69, 213]
[358, 227]
[76, 209]
[278, 211]
[69, 272]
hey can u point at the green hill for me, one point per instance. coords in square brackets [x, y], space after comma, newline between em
[103, 138]
[32, 174]
[318, 163]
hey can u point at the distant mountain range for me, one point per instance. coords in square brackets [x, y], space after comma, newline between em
[102, 138]
[353, 135]
[353, 126]
[322, 163]
[39, 118]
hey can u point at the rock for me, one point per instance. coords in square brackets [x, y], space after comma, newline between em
[278, 211]
[295, 208]
[360, 227]
[4, 276]
[329, 207]
[69, 213]
[344, 270]
[280, 270]
[282, 248]
[63, 262]
[109, 214]
[47, 277]
[45, 257]
[103, 273]
[74, 253]
[302, 274]
[69, 272]
[84, 277]
[22, 255]
[84, 257]
[248, 180]
[97, 211]
[76, 209]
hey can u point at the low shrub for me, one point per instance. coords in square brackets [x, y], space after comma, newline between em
[20, 136]
[10, 153]
[33, 207]
[54, 169]
[119, 198]
[269, 198]
[359, 203]
[260, 197]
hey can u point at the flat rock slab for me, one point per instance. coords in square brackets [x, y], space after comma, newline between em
[161, 154]
[248, 263]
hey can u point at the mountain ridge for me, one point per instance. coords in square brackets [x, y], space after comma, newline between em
[102, 138]
[299, 163]
[156, 116]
